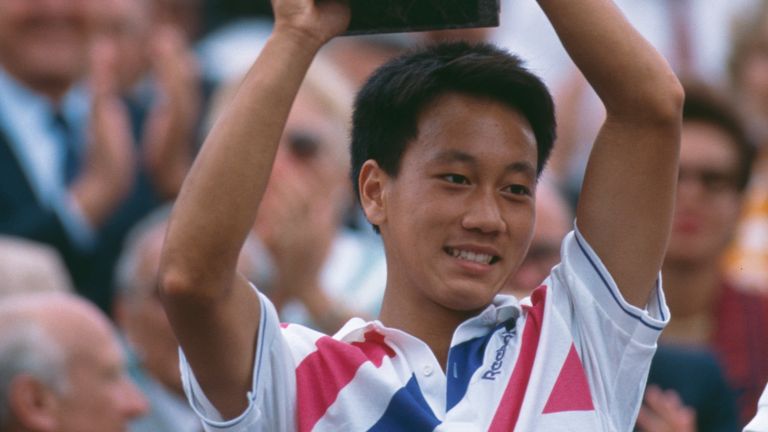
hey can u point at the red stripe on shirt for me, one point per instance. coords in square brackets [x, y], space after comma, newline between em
[322, 374]
[508, 410]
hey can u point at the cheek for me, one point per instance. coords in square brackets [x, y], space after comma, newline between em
[729, 220]
[521, 223]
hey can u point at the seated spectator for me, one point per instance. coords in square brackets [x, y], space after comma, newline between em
[687, 391]
[357, 57]
[67, 148]
[746, 261]
[27, 266]
[150, 343]
[61, 367]
[324, 272]
[707, 311]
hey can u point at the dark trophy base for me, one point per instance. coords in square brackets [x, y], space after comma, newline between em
[390, 16]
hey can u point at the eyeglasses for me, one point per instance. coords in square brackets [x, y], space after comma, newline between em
[304, 145]
[710, 179]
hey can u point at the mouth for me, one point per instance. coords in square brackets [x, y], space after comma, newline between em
[686, 224]
[472, 256]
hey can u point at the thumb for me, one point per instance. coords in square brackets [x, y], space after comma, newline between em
[103, 67]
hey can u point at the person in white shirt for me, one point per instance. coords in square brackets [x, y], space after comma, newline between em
[447, 145]
[760, 422]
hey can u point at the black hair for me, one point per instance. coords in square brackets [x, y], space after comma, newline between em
[705, 104]
[388, 106]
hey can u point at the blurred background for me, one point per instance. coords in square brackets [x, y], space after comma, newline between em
[104, 103]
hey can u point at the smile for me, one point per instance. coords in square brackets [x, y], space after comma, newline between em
[466, 255]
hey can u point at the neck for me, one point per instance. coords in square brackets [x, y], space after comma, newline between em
[690, 290]
[421, 323]
[53, 88]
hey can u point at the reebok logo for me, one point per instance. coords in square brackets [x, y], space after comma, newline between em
[498, 361]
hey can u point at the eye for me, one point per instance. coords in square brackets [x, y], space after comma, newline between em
[455, 178]
[517, 189]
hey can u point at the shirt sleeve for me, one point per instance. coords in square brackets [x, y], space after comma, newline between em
[272, 398]
[614, 339]
[760, 422]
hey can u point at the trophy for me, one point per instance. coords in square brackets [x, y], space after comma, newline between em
[390, 16]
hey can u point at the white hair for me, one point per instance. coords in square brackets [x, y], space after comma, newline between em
[127, 267]
[26, 347]
[256, 264]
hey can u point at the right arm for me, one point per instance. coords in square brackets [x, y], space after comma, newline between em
[212, 309]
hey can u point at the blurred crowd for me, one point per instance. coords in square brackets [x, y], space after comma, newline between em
[103, 104]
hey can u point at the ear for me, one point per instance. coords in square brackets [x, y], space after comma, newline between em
[32, 404]
[371, 182]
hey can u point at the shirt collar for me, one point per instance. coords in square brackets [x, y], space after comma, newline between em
[503, 309]
[14, 95]
[21, 106]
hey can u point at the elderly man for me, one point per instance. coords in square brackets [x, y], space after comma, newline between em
[61, 367]
[68, 148]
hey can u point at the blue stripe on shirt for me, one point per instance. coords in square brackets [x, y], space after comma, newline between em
[407, 411]
[463, 360]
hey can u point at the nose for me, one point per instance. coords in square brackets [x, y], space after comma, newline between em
[483, 213]
[134, 402]
[689, 189]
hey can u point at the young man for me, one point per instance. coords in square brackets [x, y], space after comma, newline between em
[447, 146]
[711, 311]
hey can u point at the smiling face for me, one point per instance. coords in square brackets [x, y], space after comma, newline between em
[458, 217]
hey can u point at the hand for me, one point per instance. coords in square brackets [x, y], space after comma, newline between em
[167, 144]
[109, 168]
[297, 221]
[663, 411]
[320, 20]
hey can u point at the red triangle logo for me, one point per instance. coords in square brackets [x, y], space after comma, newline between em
[571, 391]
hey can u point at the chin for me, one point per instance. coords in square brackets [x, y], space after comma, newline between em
[468, 300]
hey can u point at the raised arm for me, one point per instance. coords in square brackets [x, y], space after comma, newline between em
[213, 311]
[626, 202]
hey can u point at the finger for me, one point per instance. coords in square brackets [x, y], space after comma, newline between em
[649, 421]
[103, 68]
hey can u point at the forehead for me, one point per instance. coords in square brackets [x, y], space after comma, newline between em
[707, 144]
[478, 126]
[95, 349]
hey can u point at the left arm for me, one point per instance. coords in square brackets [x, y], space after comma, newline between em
[626, 203]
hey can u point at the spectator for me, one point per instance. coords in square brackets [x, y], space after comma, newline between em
[687, 391]
[323, 271]
[715, 165]
[554, 218]
[61, 367]
[27, 266]
[151, 345]
[746, 261]
[357, 57]
[68, 149]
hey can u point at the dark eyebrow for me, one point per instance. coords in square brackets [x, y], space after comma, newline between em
[449, 156]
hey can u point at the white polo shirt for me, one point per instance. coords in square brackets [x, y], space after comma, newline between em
[573, 356]
[760, 422]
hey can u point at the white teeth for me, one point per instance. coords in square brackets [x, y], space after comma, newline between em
[471, 256]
